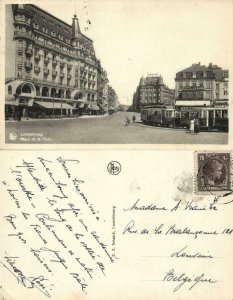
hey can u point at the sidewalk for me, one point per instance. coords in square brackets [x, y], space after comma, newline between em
[56, 119]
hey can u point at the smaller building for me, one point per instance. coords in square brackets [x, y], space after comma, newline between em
[152, 92]
[202, 92]
[200, 85]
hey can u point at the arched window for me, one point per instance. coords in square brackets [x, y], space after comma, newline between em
[92, 98]
[45, 91]
[60, 93]
[26, 89]
[78, 96]
[53, 92]
[68, 95]
[9, 90]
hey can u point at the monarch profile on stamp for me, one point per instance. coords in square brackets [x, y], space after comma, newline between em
[213, 172]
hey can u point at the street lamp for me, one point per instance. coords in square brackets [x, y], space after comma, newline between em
[53, 105]
[61, 106]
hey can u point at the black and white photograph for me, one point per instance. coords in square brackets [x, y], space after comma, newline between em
[118, 72]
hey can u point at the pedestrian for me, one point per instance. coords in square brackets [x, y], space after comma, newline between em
[196, 126]
[127, 121]
[134, 118]
[192, 126]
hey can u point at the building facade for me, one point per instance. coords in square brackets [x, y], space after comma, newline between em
[113, 102]
[51, 67]
[202, 91]
[202, 85]
[152, 92]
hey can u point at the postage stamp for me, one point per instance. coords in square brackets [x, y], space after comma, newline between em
[212, 172]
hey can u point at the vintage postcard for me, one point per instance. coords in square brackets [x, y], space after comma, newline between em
[116, 147]
[122, 72]
[115, 226]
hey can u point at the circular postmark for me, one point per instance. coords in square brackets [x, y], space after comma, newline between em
[114, 168]
[12, 136]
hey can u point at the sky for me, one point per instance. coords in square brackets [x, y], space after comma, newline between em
[134, 38]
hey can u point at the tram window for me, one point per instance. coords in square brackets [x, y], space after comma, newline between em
[224, 114]
[193, 114]
[218, 114]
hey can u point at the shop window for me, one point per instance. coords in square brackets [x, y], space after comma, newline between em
[224, 114]
[218, 114]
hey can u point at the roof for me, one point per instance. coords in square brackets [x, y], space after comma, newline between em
[213, 71]
[54, 24]
[195, 68]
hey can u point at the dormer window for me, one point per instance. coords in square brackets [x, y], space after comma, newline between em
[53, 33]
[45, 30]
[35, 25]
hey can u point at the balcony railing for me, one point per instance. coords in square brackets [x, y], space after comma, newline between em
[62, 75]
[28, 65]
[200, 87]
[68, 76]
[22, 19]
[69, 66]
[62, 64]
[23, 34]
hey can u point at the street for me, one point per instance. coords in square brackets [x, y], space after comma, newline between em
[103, 130]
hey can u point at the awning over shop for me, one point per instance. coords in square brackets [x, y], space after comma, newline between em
[10, 102]
[94, 107]
[193, 103]
[55, 105]
[81, 105]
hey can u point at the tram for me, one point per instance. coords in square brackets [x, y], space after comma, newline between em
[158, 116]
[210, 118]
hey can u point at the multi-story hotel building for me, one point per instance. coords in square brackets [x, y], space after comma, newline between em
[202, 86]
[152, 92]
[51, 67]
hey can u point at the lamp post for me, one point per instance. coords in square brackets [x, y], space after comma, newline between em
[61, 106]
[53, 105]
